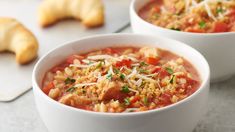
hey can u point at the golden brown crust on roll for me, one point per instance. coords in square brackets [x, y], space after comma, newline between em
[14, 37]
[90, 12]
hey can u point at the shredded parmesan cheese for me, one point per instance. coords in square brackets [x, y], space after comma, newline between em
[209, 12]
[111, 70]
[145, 78]
[134, 72]
[84, 84]
[139, 82]
[86, 61]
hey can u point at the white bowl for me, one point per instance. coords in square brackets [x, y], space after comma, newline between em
[179, 117]
[218, 48]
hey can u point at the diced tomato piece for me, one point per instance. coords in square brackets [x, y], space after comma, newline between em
[153, 60]
[163, 84]
[191, 81]
[48, 87]
[192, 30]
[127, 63]
[220, 27]
[165, 99]
[71, 58]
[119, 64]
[156, 70]
[163, 73]
[124, 62]
[156, 9]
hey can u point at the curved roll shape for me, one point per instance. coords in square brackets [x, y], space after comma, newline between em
[14, 37]
[90, 12]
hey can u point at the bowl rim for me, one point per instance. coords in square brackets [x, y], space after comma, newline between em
[133, 12]
[37, 89]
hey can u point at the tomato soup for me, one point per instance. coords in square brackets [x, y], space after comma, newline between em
[198, 16]
[126, 79]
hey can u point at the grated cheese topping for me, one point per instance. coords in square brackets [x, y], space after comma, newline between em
[84, 84]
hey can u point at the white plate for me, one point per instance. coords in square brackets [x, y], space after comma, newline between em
[15, 79]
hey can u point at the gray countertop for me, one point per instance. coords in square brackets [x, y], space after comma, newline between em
[21, 115]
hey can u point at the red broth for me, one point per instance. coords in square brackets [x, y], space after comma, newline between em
[126, 79]
[199, 17]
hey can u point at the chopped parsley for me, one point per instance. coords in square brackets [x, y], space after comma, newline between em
[145, 100]
[71, 89]
[125, 89]
[202, 24]
[109, 76]
[172, 79]
[69, 80]
[219, 10]
[143, 64]
[169, 70]
[127, 101]
[122, 76]
[143, 71]
[99, 65]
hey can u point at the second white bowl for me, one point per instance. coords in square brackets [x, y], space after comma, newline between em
[218, 48]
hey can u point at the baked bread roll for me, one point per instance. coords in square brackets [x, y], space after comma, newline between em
[89, 12]
[14, 37]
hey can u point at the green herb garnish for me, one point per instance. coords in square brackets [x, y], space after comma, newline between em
[172, 79]
[109, 76]
[99, 65]
[125, 89]
[69, 80]
[169, 70]
[143, 64]
[143, 71]
[71, 89]
[122, 76]
[219, 10]
[145, 100]
[202, 24]
[127, 101]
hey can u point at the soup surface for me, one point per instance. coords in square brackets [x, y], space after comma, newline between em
[198, 16]
[125, 79]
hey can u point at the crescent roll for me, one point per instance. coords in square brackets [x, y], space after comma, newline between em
[14, 37]
[89, 12]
